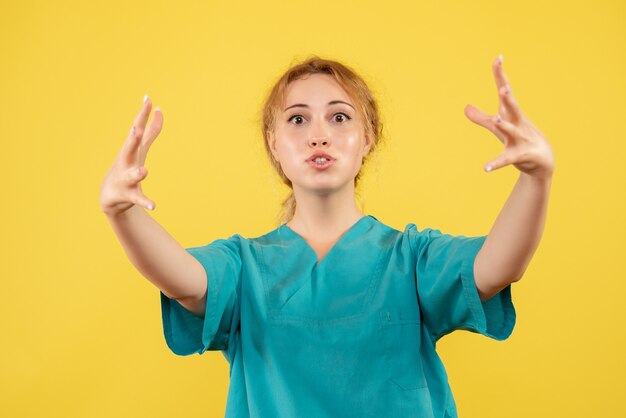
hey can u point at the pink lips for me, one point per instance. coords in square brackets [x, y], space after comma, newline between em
[328, 163]
[320, 154]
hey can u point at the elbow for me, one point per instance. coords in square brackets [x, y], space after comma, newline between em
[489, 287]
[518, 276]
[503, 282]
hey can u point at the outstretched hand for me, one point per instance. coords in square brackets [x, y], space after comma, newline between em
[525, 146]
[121, 188]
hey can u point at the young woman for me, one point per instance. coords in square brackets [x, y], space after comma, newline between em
[334, 313]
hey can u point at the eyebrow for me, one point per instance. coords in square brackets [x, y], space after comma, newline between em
[332, 102]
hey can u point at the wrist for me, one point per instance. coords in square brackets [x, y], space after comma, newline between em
[541, 181]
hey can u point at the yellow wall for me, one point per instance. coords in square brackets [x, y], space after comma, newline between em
[81, 328]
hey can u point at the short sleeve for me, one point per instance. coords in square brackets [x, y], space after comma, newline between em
[447, 290]
[187, 333]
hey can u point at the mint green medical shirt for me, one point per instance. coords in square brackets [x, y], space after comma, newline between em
[352, 336]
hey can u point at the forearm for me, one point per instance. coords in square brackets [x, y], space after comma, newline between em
[514, 237]
[157, 255]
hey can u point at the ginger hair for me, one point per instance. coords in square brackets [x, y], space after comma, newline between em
[356, 88]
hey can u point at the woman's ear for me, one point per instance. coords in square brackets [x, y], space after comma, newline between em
[271, 142]
[368, 145]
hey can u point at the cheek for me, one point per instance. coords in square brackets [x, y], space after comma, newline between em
[288, 148]
[352, 143]
[289, 154]
[294, 139]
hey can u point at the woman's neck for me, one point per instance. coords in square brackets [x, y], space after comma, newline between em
[322, 218]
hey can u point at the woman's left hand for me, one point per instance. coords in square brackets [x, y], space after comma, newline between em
[525, 146]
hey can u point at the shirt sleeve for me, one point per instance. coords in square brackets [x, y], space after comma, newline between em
[447, 290]
[185, 332]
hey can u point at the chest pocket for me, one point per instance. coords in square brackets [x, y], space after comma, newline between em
[401, 332]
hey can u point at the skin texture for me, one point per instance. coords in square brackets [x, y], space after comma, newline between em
[326, 199]
[516, 233]
[326, 205]
[151, 249]
[121, 188]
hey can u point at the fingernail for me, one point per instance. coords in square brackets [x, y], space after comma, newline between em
[498, 119]
[488, 168]
[132, 130]
[157, 109]
[145, 98]
[500, 58]
[150, 206]
[139, 171]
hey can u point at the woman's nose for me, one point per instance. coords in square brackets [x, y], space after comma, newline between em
[317, 141]
[318, 136]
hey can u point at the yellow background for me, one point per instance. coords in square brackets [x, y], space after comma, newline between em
[81, 328]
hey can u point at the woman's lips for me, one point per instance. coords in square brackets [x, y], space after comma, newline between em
[323, 166]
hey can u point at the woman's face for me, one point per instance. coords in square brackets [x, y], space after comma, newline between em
[319, 116]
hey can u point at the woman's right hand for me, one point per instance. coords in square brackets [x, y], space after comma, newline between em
[121, 188]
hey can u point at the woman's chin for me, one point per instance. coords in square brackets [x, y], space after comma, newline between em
[322, 188]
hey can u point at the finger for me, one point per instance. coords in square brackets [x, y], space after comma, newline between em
[508, 105]
[136, 131]
[142, 117]
[152, 131]
[129, 146]
[507, 128]
[141, 200]
[504, 159]
[487, 121]
[136, 174]
[477, 116]
[498, 73]
[139, 125]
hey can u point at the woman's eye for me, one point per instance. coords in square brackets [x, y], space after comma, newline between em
[337, 117]
[342, 117]
[296, 118]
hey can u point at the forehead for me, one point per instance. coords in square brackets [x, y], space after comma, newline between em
[315, 89]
